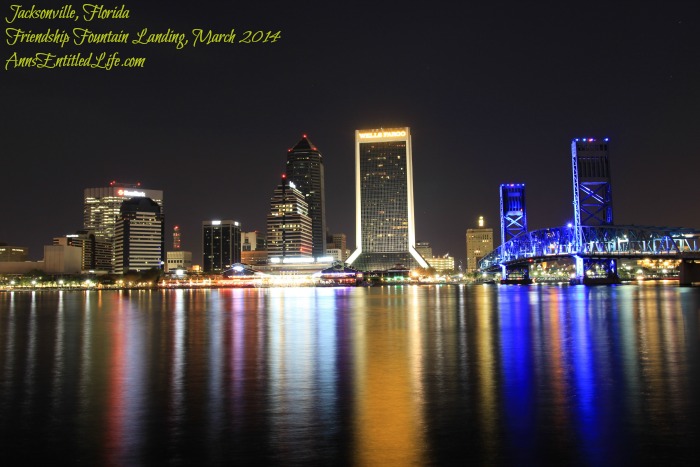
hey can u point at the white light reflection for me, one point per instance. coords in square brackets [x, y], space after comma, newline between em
[177, 372]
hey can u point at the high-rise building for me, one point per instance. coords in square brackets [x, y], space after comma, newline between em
[9, 253]
[338, 243]
[221, 245]
[101, 208]
[96, 252]
[425, 250]
[479, 244]
[289, 232]
[253, 248]
[252, 241]
[305, 170]
[384, 212]
[139, 236]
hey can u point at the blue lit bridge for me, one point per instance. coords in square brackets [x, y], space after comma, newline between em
[592, 242]
[596, 256]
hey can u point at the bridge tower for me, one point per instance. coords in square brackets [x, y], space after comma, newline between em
[513, 224]
[592, 200]
[592, 187]
[513, 214]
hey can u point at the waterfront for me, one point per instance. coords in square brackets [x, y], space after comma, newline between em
[393, 375]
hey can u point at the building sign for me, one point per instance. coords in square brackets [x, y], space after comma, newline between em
[390, 133]
[132, 193]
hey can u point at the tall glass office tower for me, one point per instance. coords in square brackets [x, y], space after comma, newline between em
[221, 245]
[305, 171]
[385, 226]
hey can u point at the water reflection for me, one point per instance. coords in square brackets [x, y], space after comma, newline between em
[387, 380]
[390, 375]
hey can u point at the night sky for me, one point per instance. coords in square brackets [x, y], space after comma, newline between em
[493, 92]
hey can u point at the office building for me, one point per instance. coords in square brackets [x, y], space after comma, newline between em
[178, 260]
[305, 171]
[253, 241]
[96, 252]
[337, 246]
[289, 233]
[479, 244]
[254, 257]
[62, 259]
[101, 208]
[384, 213]
[425, 250]
[10, 253]
[442, 264]
[139, 236]
[221, 245]
[335, 253]
[58, 259]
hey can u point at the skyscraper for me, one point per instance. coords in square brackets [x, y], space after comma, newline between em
[288, 224]
[221, 245]
[139, 242]
[479, 244]
[101, 209]
[305, 170]
[96, 252]
[384, 213]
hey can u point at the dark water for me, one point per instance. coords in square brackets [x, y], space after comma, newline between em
[442, 375]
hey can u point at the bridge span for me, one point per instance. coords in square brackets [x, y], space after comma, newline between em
[592, 241]
[598, 252]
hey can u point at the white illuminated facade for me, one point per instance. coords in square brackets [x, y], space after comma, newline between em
[139, 236]
[384, 216]
[289, 232]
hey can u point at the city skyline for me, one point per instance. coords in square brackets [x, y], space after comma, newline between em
[493, 94]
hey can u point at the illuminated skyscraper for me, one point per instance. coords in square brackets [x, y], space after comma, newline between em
[305, 170]
[139, 243]
[288, 224]
[479, 244]
[221, 245]
[385, 224]
[102, 205]
[101, 208]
